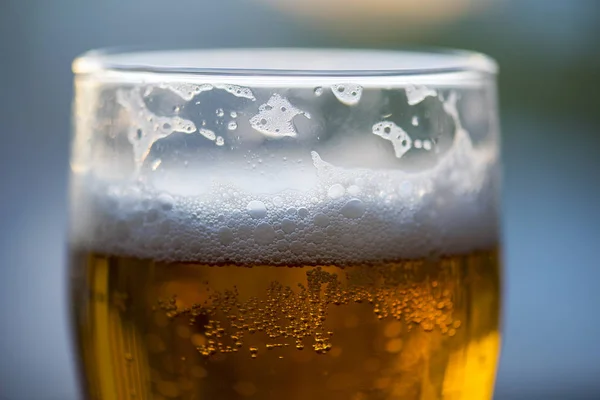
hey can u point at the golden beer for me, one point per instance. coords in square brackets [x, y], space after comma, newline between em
[414, 329]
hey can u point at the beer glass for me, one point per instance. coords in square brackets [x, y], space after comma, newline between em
[285, 224]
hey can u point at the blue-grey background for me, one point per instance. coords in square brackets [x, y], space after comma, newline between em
[549, 53]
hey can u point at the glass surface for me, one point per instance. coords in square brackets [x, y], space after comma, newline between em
[285, 224]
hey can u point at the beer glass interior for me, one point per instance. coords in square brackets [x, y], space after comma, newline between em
[285, 224]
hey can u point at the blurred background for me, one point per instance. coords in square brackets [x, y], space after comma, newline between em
[549, 56]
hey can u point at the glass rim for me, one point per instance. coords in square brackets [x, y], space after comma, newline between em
[284, 62]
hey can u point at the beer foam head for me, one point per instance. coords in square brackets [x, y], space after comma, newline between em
[329, 173]
[341, 216]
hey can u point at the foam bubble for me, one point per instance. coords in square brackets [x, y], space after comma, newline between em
[335, 191]
[354, 208]
[264, 234]
[257, 209]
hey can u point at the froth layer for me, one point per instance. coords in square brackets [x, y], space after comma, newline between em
[346, 216]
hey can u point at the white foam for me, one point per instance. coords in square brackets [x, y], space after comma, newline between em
[395, 134]
[238, 91]
[185, 90]
[147, 128]
[274, 118]
[416, 94]
[347, 93]
[347, 215]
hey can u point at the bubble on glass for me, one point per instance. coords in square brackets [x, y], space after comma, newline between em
[418, 144]
[427, 145]
[186, 91]
[220, 141]
[275, 117]
[233, 114]
[318, 91]
[390, 131]
[416, 94]
[232, 125]
[415, 121]
[257, 209]
[145, 127]
[347, 93]
[353, 209]
[219, 112]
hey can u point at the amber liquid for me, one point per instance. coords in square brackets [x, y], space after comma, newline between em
[420, 329]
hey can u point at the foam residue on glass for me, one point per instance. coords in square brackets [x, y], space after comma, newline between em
[416, 94]
[275, 117]
[347, 93]
[146, 128]
[390, 131]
